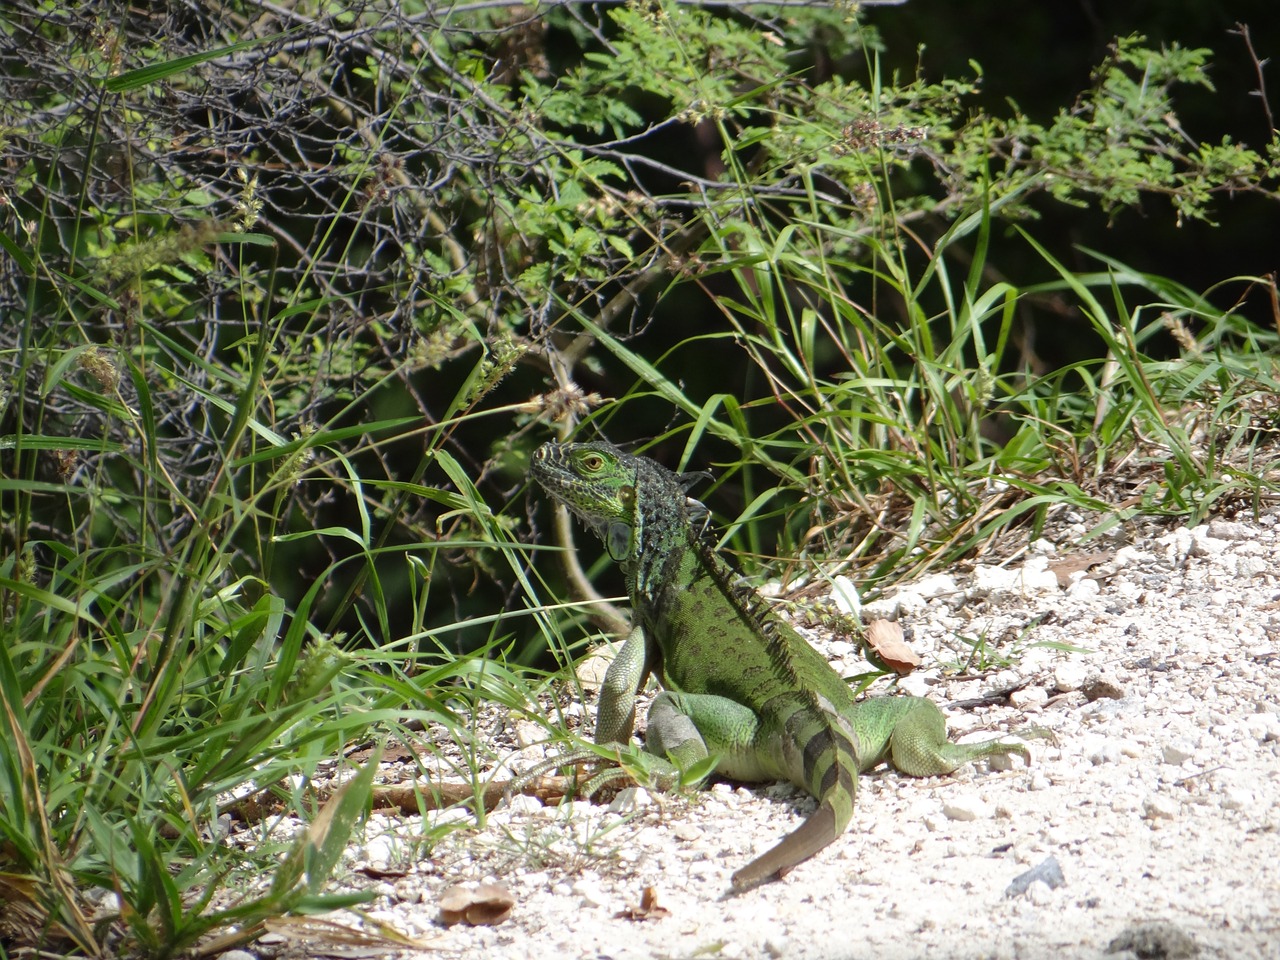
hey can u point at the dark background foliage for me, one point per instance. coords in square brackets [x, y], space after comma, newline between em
[405, 246]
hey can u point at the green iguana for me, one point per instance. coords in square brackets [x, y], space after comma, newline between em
[738, 682]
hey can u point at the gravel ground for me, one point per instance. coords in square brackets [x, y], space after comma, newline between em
[1152, 825]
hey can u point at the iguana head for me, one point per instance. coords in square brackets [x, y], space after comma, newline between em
[597, 481]
[632, 503]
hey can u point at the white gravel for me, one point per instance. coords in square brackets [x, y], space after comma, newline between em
[1159, 803]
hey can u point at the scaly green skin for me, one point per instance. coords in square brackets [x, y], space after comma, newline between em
[738, 683]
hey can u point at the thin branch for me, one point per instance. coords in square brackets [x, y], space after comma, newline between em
[1242, 31]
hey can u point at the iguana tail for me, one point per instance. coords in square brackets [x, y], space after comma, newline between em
[830, 773]
[795, 848]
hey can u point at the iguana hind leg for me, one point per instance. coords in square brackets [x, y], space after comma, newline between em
[687, 728]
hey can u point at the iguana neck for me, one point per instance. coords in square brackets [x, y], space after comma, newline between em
[664, 552]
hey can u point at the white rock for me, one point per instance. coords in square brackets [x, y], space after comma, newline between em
[844, 594]
[1003, 761]
[1033, 577]
[524, 805]
[1177, 543]
[1229, 530]
[528, 733]
[1207, 546]
[990, 580]
[1084, 589]
[1070, 675]
[1236, 798]
[1178, 751]
[630, 799]
[589, 893]
[1250, 567]
[1102, 752]
[591, 669]
[937, 585]
[1039, 893]
[965, 807]
[916, 684]
[1263, 727]
[1159, 807]
[1129, 557]
[1125, 803]
[1029, 697]
[383, 850]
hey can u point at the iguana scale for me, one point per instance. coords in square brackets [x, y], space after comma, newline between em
[738, 682]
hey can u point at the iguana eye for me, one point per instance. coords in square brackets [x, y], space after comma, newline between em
[593, 461]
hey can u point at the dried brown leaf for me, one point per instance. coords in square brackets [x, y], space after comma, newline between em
[649, 908]
[486, 904]
[1064, 567]
[884, 637]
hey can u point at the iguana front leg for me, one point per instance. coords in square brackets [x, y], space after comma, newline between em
[683, 729]
[616, 711]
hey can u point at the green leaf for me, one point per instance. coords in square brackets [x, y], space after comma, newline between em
[132, 79]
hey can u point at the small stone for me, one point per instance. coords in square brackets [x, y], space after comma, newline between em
[1029, 697]
[1249, 567]
[989, 580]
[382, 851]
[589, 893]
[1108, 751]
[1236, 798]
[632, 798]
[1178, 752]
[686, 831]
[1158, 807]
[1004, 761]
[1206, 546]
[591, 670]
[528, 733]
[1033, 577]
[1084, 589]
[1263, 727]
[1124, 803]
[937, 585]
[1046, 874]
[1039, 893]
[1069, 676]
[524, 805]
[839, 649]
[1098, 687]
[1155, 941]
[1229, 530]
[965, 807]
[1128, 557]
[844, 594]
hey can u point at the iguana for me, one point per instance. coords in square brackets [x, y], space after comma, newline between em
[738, 682]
